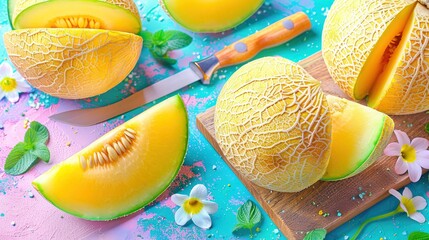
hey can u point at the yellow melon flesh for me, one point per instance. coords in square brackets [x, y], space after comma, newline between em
[130, 179]
[73, 63]
[273, 125]
[359, 136]
[118, 15]
[210, 16]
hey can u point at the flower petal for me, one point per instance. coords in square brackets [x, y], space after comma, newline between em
[402, 137]
[179, 199]
[403, 208]
[414, 172]
[13, 96]
[202, 219]
[418, 217]
[423, 159]
[181, 217]
[23, 87]
[393, 149]
[400, 166]
[407, 193]
[199, 191]
[420, 143]
[210, 207]
[5, 70]
[395, 193]
[419, 202]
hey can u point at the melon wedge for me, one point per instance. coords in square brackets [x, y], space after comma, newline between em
[359, 136]
[73, 63]
[210, 16]
[118, 15]
[125, 169]
[379, 50]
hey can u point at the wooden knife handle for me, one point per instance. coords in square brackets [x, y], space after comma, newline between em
[273, 35]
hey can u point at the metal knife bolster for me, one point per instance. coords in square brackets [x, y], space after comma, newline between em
[205, 68]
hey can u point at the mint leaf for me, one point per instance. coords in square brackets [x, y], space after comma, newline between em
[25, 154]
[147, 39]
[316, 234]
[161, 42]
[41, 151]
[248, 216]
[42, 133]
[19, 160]
[178, 40]
[418, 236]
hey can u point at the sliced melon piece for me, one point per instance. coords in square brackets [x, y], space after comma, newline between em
[210, 16]
[73, 63]
[119, 15]
[125, 169]
[359, 136]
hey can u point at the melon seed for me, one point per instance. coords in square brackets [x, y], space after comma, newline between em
[90, 162]
[117, 148]
[106, 159]
[100, 158]
[129, 134]
[126, 142]
[95, 159]
[121, 146]
[83, 162]
[77, 22]
[131, 130]
[112, 153]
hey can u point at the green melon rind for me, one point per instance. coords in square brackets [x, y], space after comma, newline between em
[98, 2]
[10, 6]
[381, 141]
[179, 101]
[164, 6]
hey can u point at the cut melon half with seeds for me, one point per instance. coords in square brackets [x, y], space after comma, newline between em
[359, 136]
[380, 52]
[125, 169]
[119, 15]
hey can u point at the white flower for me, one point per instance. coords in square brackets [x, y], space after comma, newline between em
[410, 204]
[11, 83]
[412, 155]
[194, 207]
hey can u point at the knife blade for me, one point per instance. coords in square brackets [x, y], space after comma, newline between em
[238, 52]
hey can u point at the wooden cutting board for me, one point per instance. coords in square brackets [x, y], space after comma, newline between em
[326, 204]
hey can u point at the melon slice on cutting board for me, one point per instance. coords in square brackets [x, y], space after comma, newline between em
[379, 50]
[359, 136]
[125, 169]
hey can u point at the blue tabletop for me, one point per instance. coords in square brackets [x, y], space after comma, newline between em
[202, 164]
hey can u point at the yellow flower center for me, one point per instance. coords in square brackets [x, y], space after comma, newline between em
[8, 84]
[408, 205]
[193, 206]
[408, 153]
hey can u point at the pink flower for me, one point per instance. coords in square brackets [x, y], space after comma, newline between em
[412, 155]
[410, 204]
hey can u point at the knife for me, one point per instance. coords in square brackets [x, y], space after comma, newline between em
[238, 52]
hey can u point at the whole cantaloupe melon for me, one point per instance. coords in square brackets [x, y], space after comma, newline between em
[379, 49]
[272, 123]
[74, 48]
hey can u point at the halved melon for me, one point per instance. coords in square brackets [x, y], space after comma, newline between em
[210, 16]
[359, 136]
[125, 169]
[73, 63]
[118, 15]
[379, 49]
